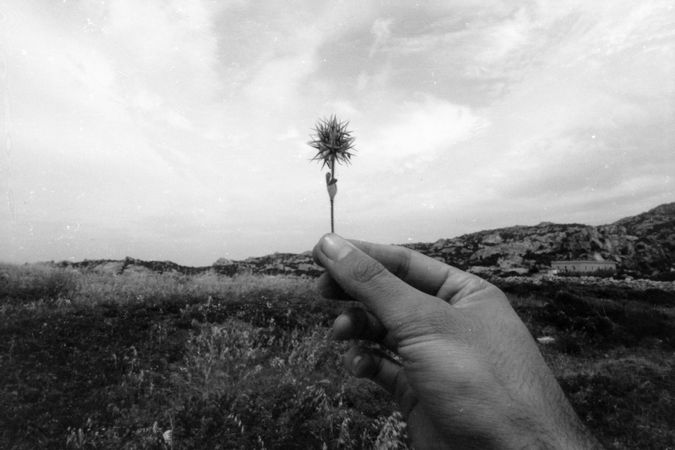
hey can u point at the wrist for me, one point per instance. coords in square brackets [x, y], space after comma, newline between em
[560, 429]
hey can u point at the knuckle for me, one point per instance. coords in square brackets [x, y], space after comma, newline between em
[402, 265]
[365, 270]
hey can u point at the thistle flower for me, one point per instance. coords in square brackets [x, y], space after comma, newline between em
[333, 142]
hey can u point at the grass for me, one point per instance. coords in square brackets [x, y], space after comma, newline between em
[614, 360]
[147, 360]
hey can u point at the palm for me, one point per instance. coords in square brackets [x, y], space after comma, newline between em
[459, 368]
[441, 378]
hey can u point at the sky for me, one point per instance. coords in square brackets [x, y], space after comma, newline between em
[173, 130]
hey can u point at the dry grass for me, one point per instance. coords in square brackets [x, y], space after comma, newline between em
[147, 360]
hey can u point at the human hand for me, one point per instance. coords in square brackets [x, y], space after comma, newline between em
[470, 374]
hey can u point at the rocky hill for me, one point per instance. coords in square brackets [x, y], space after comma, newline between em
[274, 264]
[643, 246]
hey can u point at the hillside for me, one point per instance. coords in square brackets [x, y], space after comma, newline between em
[151, 354]
[642, 246]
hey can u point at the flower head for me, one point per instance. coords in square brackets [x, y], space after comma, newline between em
[332, 141]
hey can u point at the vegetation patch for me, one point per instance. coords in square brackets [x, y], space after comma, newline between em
[171, 360]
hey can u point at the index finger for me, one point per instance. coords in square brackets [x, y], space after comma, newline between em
[368, 281]
[422, 272]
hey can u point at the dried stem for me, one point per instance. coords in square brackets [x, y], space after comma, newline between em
[332, 201]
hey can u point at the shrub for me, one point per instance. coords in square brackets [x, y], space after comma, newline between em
[37, 282]
[627, 401]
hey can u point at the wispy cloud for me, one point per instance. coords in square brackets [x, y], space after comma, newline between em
[381, 32]
[418, 130]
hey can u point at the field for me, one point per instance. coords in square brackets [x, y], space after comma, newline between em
[149, 360]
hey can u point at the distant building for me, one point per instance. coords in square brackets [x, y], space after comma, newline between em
[580, 266]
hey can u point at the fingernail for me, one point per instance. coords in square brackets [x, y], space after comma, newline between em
[335, 247]
[355, 364]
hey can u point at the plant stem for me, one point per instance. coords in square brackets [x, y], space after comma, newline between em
[332, 175]
[332, 224]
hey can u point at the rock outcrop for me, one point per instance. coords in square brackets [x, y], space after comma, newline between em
[642, 246]
[274, 264]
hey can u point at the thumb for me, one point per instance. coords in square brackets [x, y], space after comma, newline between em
[366, 280]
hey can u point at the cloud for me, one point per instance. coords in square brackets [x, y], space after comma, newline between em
[277, 82]
[419, 130]
[381, 31]
[163, 118]
[572, 118]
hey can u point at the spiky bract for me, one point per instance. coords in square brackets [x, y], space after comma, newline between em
[332, 141]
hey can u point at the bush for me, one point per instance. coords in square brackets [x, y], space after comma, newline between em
[37, 282]
[602, 323]
[629, 400]
[665, 276]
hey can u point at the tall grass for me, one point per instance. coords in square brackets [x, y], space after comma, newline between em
[148, 360]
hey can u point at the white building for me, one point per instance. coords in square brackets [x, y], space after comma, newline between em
[582, 266]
